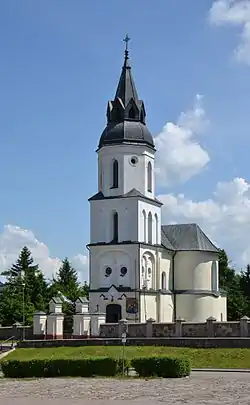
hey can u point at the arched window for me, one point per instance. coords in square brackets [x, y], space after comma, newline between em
[156, 229]
[150, 228]
[163, 281]
[144, 219]
[149, 177]
[115, 227]
[115, 173]
[214, 276]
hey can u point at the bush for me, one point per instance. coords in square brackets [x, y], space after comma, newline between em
[87, 367]
[162, 366]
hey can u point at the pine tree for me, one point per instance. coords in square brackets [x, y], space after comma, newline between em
[67, 282]
[24, 280]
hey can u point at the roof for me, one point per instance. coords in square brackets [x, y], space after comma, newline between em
[56, 300]
[132, 193]
[82, 300]
[126, 114]
[186, 237]
[126, 132]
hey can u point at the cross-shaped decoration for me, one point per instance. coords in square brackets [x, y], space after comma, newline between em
[126, 40]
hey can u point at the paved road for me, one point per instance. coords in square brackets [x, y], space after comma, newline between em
[210, 388]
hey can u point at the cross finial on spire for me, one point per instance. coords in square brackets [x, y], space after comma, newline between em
[126, 40]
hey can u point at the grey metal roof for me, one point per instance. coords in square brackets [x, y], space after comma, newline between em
[56, 300]
[126, 89]
[82, 300]
[126, 132]
[188, 237]
[132, 193]
[126, 114]
[165, 242]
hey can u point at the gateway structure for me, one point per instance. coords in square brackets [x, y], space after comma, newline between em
[139, 268]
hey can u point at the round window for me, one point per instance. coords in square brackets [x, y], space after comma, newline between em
[124, 271]
[108, 271]
[134, 160]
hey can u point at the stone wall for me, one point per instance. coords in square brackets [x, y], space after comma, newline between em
[140, 341]
[180, 328]
[7, 332]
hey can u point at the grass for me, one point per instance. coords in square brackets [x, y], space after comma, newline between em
[200, 358]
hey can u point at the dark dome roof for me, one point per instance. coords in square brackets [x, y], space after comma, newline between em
[126, 131]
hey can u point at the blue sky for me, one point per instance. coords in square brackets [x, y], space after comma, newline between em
[60, 63]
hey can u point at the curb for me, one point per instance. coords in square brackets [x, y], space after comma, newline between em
[221, 370]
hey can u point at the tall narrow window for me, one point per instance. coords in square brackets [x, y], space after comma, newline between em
[144, 218]
[115, 174]
[115, 227]
[156, 229]
[150, 228]
[163, 281]
[149, 177]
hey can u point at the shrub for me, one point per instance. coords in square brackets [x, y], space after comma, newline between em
[162, 366]
[87, 367]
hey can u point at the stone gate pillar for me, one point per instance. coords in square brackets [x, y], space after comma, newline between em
[39, 325]
[55, 319]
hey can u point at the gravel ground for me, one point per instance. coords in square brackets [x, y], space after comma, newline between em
[210, 388]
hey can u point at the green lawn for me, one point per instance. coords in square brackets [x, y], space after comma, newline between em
[200, 358]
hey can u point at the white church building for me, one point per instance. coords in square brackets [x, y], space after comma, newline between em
[140, 268]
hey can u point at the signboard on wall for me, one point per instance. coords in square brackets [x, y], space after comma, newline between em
[131, 305]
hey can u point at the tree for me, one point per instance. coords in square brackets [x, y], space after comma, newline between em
[245, 287]
[66, 281]
[24, 281]
[226, 274]
[230, 281]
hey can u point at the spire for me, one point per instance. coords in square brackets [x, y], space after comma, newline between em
[126, 89]
[126, 113]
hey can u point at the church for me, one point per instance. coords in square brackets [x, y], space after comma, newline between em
[138, 267]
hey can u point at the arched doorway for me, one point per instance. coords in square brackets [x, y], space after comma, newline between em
[113, 313]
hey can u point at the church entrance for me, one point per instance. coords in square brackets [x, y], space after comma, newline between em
[113, 313]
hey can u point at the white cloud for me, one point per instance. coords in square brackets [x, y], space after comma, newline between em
[180, 156]
[225, 217]
[235, 13]
[14, 238]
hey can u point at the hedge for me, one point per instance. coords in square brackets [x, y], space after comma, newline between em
[87, 367]
[96, 366]
[162, 366]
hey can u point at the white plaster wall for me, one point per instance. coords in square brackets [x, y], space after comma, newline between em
[166, 308]
[193, 270]
[130, 176]
[101, 219]
[197, 308]
[166, 266]
[96, 298]
[143, 234]
[148, 307]
[115, 256]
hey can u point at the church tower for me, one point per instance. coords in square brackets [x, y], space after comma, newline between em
[125, 216]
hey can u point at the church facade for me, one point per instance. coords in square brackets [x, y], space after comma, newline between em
[139, 268]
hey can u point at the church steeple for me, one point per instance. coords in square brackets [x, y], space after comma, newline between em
[126, 89]
[126, 113]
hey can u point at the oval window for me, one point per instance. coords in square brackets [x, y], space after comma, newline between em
[124, 271]
[108, 271]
